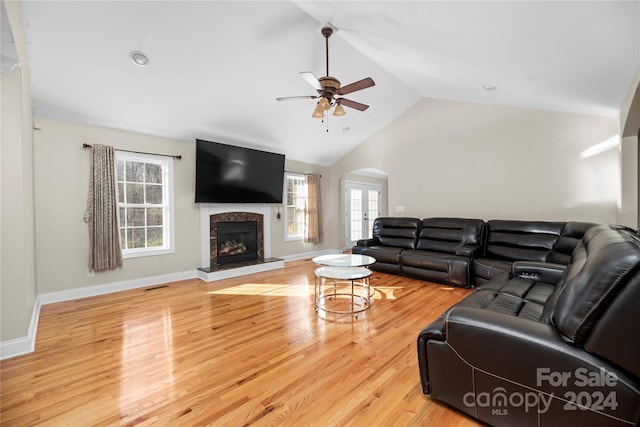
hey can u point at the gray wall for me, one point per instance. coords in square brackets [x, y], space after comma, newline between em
[17, 249]
[448, 158]
[61, 182]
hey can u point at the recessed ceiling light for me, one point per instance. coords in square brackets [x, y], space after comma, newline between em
[489, 88]
[139, 58]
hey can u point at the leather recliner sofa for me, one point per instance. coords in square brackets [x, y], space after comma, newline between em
[545, 344]
[465, 252]
[435, 249]
[391, 236]
[508, 241]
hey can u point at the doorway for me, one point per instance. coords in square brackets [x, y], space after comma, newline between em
[362, 205]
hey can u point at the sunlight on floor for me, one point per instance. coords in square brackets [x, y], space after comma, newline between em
[303, 290]
[266, 289]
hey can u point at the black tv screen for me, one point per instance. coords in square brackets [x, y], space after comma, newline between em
[230, 174]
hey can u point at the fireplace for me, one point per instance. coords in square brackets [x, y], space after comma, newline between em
[213, 213]
[237, 241]
[236, 237]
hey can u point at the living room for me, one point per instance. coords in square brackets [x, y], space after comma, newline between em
[439, 157]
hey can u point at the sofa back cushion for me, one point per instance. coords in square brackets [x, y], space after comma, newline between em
[603, 263]
[397, 232]
[447, 234]
[569, 237]
[521, 240]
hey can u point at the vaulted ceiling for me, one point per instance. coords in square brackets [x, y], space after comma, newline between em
[216, 67]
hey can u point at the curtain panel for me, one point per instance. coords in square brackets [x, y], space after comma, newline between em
[102, 211]
[313, 211]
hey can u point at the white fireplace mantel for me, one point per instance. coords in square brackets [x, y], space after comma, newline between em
[208, 209]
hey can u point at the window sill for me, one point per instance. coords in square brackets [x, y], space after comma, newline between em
[146, 252]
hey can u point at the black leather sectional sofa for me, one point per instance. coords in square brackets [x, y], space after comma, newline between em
[550, 336]
[545, 344]
[465, 252]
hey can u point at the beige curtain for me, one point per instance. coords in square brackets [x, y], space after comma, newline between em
[101, 213]
[313, 211]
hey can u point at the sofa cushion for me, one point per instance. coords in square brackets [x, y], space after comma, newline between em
[521, 240]
[571, 234]
[511, 295]
[602, 264]
[503, 294]
[397, 232]
[448, 234]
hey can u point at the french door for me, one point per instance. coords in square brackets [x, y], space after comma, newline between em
[362, 206]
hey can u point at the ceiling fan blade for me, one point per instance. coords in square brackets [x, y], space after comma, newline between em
[359, 85]
[352, 104]
[312, 80]
[289, 98]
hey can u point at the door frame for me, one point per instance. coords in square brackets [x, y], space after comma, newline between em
[346, 213]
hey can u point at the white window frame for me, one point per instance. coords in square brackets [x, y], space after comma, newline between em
[287, 176]
[168, 225]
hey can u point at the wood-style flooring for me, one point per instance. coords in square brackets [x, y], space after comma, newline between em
[243, 351]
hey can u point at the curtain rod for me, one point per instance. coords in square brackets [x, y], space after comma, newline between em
[140, 152]
[302, 173]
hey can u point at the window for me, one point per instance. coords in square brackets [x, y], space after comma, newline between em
[145, 204]
[296, 199]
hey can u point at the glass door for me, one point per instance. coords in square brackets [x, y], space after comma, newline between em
[362, 204]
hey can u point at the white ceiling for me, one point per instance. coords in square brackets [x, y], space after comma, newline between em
[216, 67]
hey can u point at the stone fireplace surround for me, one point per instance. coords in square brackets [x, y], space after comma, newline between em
[236, 211]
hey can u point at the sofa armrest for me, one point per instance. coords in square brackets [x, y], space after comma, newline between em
[539, 271]
[508, 351]
[469, 251]
[368, 242]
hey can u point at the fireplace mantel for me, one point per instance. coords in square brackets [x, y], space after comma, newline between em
[208, 209]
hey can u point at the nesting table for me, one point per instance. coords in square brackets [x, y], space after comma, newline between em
[342, 283]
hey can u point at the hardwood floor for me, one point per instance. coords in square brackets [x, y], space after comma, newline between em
[244, 351]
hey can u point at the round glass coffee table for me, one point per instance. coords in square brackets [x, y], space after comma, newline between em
[351, 291]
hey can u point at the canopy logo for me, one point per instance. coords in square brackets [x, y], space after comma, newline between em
[587, 392]
[500, 402]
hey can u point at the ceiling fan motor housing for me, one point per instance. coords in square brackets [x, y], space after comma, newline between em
[330, 86]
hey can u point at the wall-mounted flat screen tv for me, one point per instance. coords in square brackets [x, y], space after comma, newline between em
[230, 174]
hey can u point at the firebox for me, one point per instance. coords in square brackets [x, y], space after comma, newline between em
[237, 241]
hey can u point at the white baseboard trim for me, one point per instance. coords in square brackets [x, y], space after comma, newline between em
[25, 345]
[109, 288]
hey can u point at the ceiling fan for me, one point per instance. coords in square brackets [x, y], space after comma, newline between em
[329, 89]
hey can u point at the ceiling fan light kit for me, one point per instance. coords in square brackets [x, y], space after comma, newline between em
[339, 111]
[318, 113]
[329, 87]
